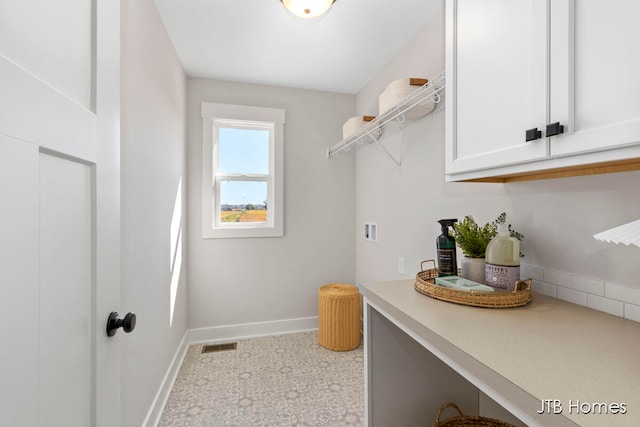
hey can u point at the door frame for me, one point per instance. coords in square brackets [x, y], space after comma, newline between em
[107, 208]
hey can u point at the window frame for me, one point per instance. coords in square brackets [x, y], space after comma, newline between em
[219, 177]
[213, 116]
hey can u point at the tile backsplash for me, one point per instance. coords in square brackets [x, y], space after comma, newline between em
[612, 298]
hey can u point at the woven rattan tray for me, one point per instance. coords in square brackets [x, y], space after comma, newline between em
[425, 284]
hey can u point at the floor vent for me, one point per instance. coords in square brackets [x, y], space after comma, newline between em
[212, 348]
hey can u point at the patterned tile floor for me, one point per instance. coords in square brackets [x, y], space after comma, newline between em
[285, 380]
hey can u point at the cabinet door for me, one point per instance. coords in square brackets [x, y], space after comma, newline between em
[496, 82]
[595, 90]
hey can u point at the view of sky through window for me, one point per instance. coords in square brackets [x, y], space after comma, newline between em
[243, 151]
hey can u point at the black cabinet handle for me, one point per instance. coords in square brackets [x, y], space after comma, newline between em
[128, 323]
[555, 129]
[533, 134]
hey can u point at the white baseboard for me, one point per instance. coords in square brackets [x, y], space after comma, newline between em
[217, 334]
[250, 330]
[155, 412]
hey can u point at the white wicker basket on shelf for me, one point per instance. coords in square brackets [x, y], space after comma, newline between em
[352, 125]
[401, 88]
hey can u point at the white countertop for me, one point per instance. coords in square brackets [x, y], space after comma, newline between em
[548, 349]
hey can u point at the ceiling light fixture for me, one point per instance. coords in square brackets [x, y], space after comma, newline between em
[307, 9]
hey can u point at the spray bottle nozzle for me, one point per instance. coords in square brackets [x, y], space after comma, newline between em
[446, 223]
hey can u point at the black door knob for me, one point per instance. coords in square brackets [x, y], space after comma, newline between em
[533, 134]
[128, 323]
[554, 129]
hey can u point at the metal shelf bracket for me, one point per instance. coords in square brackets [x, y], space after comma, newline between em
[385, 151]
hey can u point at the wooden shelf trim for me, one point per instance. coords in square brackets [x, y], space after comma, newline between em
[617, 166]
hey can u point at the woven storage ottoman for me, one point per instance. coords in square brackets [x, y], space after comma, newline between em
[339, 317]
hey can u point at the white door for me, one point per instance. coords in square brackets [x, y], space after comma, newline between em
[496, 82]
[59, 250]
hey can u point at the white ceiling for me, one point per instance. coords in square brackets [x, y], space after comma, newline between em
[257, 41]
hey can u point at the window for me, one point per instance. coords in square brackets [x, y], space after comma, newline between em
[242, 171]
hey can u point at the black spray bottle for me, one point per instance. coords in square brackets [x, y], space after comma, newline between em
[446, 247]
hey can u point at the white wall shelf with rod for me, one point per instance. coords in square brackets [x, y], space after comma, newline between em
[406, 110]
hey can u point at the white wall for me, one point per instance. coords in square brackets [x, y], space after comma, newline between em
[407, 201]
[153, 179]
[239, 281]
[558, 217]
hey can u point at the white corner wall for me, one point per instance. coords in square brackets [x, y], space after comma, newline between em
[407, 201]
[258, 282]
[557, 217]
[153, 206]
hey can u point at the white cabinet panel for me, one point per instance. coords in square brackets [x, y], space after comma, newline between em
[497, 64]
[603, 68]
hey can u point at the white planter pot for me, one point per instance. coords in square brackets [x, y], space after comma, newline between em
[473, 269]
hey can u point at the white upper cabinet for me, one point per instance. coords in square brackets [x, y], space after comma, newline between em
[496, 68]
[595, 90]
[536, 85]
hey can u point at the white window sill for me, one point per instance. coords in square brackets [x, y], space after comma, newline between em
[241, 232]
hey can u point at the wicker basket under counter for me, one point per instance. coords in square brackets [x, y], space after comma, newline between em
[426, 284]
[462, 420]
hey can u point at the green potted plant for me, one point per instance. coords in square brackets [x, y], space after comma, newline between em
[473, 239]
